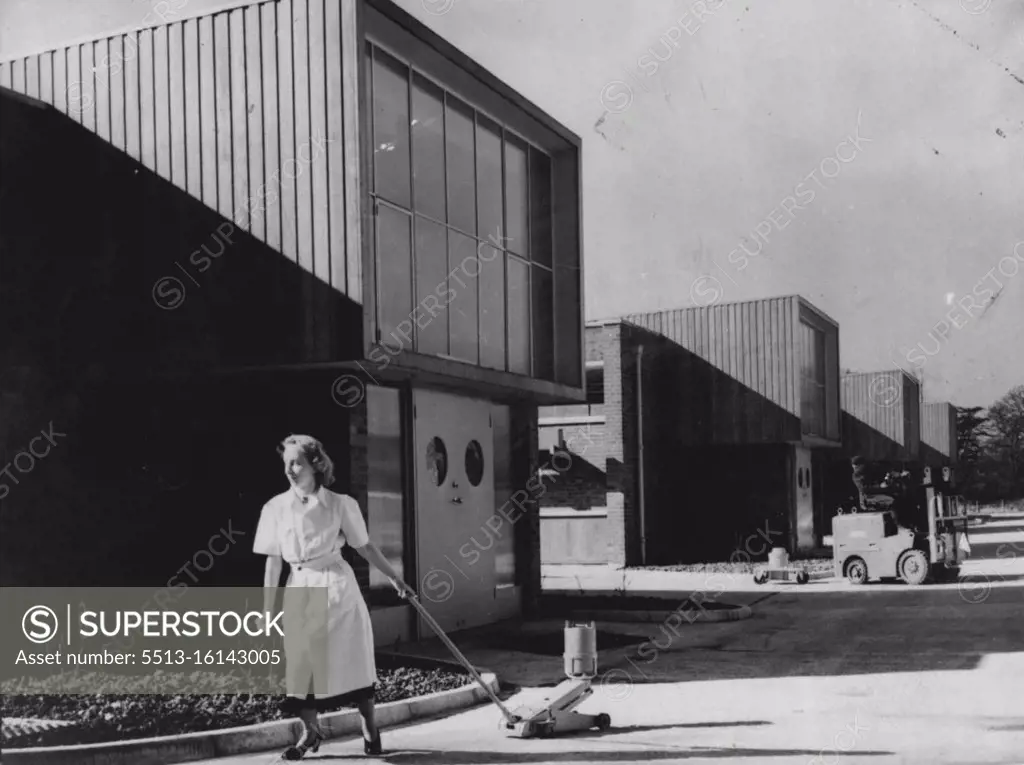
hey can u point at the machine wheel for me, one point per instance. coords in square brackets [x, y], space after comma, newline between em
[760, 576]
[604, 722]
[913, 567]
[802, 577]
[856, 571]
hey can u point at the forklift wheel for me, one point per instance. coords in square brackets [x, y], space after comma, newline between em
[604, 722]
[760, 577]
[913, 567]
[856, 571]
[802, 577]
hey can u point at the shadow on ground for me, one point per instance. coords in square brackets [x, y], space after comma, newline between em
[471, 758]
[796, 631]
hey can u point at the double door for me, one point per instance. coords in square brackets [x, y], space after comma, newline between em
[455, 508]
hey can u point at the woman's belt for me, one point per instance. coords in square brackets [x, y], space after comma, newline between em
[319, 563]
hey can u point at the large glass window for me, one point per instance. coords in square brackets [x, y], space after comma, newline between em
[450, 179]
[517, 202]
[431, 318]
[394, 274]
[492, 306]
[488, 179]
[462, 291]
[391, 129]
[461, 165]
[518, 315]
[385, 490]
[428, 148]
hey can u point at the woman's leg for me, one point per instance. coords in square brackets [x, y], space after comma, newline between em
[310, 721]
[366, 713]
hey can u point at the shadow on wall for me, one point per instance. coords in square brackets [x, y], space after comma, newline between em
[572, 482]
[716, 460]
[859, 438]
[156, 455]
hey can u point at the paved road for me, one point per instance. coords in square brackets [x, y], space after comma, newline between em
[885, 674]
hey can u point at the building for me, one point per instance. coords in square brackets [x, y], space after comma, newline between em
[281, 217]
[938, 435]
[882, 416]
[735, 401]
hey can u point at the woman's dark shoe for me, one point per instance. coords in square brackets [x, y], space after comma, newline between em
[310, 742]
[372, 747]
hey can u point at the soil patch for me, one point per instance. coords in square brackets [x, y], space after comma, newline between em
[118, 717]
[740, 567]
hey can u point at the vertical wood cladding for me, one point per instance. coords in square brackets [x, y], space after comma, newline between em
[248, 110]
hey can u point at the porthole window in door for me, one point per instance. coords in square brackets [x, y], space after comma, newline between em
[437, 461]
[474, 462]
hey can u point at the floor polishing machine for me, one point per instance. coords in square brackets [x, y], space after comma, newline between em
[555, 713]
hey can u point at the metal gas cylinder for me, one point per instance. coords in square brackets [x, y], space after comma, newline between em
[778, 557]
[580, 649]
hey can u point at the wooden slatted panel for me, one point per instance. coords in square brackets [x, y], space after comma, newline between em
[75, 91]
[132, 112]
[880, 400]
[271, 201]
[252, 111]
[314, 164]
[101, 55]
[176, 104]
[938, 427]
[208, 111]
[334, 133]
[289, 232]
[161, 103]
[239, 118]
[18, 75]
[87, 72]
[116, 77]
[193, 109]
[147, 100]
[753, 342]
[32, 76]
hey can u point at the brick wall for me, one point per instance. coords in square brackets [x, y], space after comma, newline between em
[697, 498]
[609, 472]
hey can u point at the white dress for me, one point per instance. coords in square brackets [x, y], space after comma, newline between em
[310, 538]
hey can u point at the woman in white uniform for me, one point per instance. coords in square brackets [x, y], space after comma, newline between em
[307, 526]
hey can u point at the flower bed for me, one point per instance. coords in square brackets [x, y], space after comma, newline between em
[118, 717]
[740, 567]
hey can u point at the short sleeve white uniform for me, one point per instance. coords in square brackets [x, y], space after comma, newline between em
[310, 538]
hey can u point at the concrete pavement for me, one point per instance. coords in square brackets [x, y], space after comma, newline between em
[881, 674]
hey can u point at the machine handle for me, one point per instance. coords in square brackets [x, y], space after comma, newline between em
[512, 719]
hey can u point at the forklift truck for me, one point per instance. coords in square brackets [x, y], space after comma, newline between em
[873, 545]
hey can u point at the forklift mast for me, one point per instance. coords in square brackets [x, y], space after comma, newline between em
[947, 517]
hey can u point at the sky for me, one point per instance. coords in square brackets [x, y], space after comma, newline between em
[865, 154]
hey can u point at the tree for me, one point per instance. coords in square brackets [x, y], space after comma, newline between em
[971, 434]
[1007, 418]
[970, 427]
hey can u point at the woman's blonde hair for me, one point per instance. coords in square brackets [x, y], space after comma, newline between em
[313, 451]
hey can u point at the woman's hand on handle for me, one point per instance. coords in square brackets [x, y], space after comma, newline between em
[404, 591]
